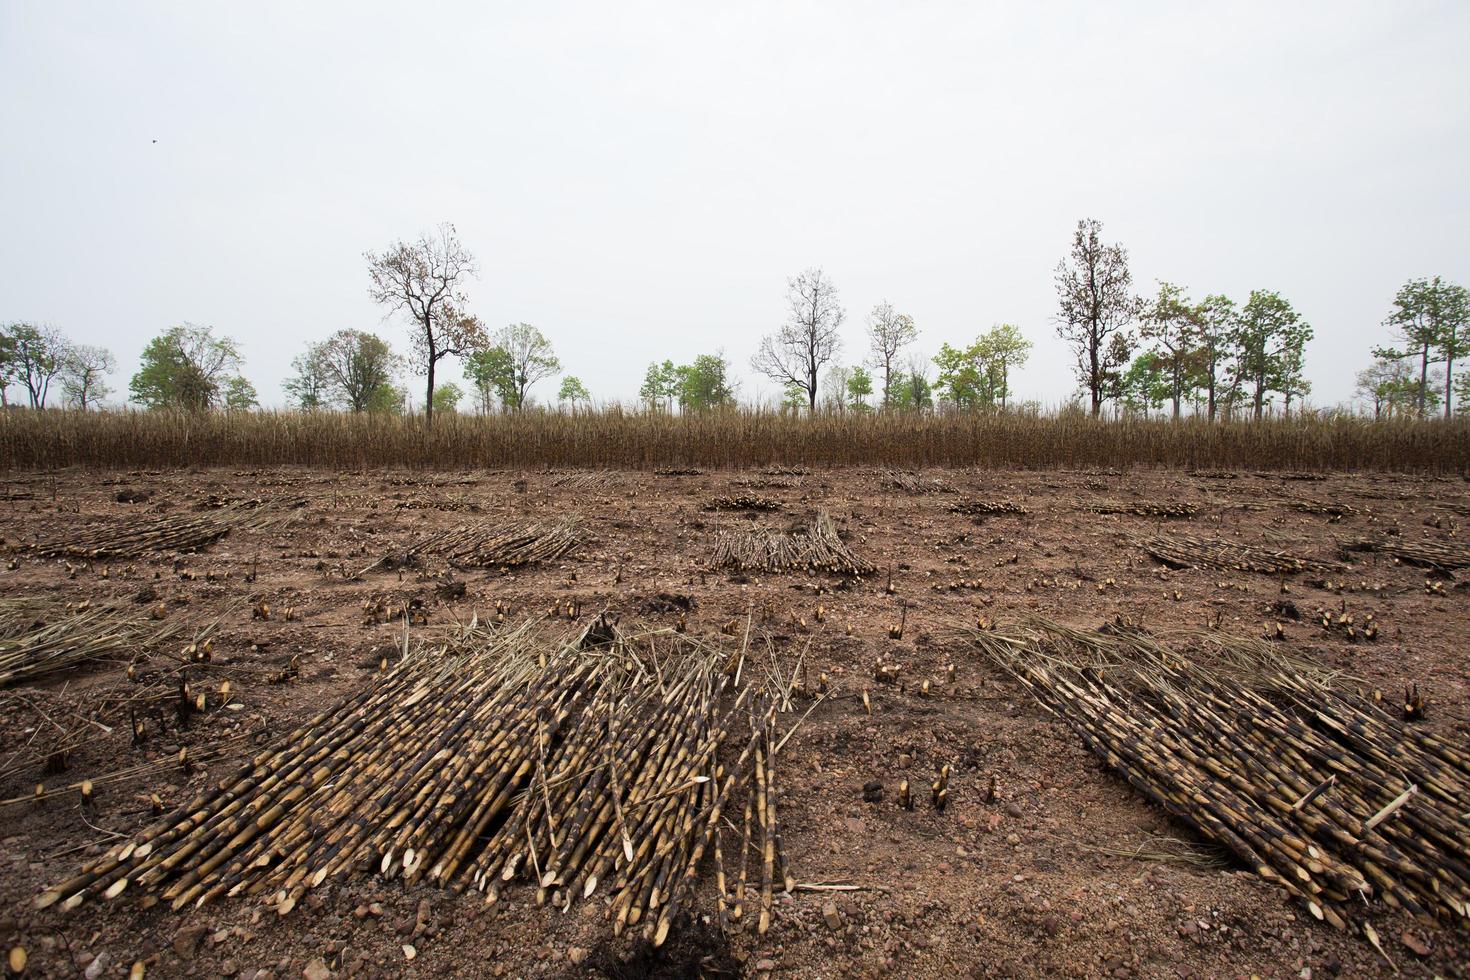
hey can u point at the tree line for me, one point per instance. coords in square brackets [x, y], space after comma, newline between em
[1165, 352]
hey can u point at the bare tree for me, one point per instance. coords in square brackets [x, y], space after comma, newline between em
[425, 279]
[889, 332]
[84, 377]
[40, 355]
[1097, 305]
[793, 356]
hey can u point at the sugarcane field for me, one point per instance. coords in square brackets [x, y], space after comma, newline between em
[789, 721]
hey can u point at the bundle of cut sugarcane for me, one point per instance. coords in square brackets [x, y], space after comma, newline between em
[1331, 508]
[744, 501]
[1185, 552]
[914, 483]
[1426, 553]
[817, 547]
[492, 544]
[40, 636]
[610, 760]
[986, 508]
[135, 536]
[1145, 508]
[590, 480]
[1324, 795]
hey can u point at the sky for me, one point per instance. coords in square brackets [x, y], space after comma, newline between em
[640, 180]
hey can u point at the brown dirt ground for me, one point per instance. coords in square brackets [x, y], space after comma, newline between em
[1038, 882]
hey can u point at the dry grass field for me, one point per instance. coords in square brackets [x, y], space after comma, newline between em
[274, 592]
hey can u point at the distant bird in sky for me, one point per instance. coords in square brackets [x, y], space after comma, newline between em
[155, 141]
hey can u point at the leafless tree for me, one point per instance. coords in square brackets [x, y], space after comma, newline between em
[1097, 307]
[84, 377]
[889, 332]
[793, 356]
[426, 279]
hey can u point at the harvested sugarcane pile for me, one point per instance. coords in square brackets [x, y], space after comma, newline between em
[816, 547]
[592, 480]
[1425, 553]
[914, 483]
[1183, 552]
[611, 761]
[1322, 794]
[744, 501]
[491, 544]
[1146, 508]
[987, 508]
[133, 537]
[1330, 508]
[41, 636]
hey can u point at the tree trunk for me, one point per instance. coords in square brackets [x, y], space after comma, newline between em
[1449, 370]
[429, 401]
[1424, 381]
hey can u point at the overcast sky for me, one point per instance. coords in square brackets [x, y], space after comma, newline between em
[640, 180]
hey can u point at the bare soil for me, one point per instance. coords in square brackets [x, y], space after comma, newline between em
[1067, 872]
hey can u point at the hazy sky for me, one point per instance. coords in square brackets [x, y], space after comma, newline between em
[640, 180]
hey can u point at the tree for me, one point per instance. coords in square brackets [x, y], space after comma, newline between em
[84, 377]
[572, 390]
[425, 280]
[834, 387]
[1462, 394]
[493, 376]
[386, 399]
[309, 388]
[359, 367]
[1146, 385]
[1097, 306]
[1430, 317]
[1171, 324]
[1213, 327]
[9, 364]
[859, 387]
[185, 367]
[1269, 338]
[704, 384]
[998, 350]
[446, 398]
[912, 391]
[888, 333]
[961, 380]
[1389, 385]
[660, 385]
[240, 395]
[39, 355]
[795, 354]
[793, 397]
[531, 359]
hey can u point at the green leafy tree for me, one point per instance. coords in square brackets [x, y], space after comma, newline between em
[386, 399]
[889, 332]
[1430, 317]
[572, 390]
[9, 363]
[961, 380]
[660, 385]
[309, 387]
[186, 367]
[1462, 394]
[1097, 306]
[531, 359]
[704, 384]
[997, 352]
[1269, 337]
[1214, 327]
[239, 395]
[1388, 384]
[1147, 384]
[793, 398]
[84, 377]
[358, 366]
[859, 387]
[425, 280]
[1170, 325]
[493, 375]
[447, 397]
[912, 391]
